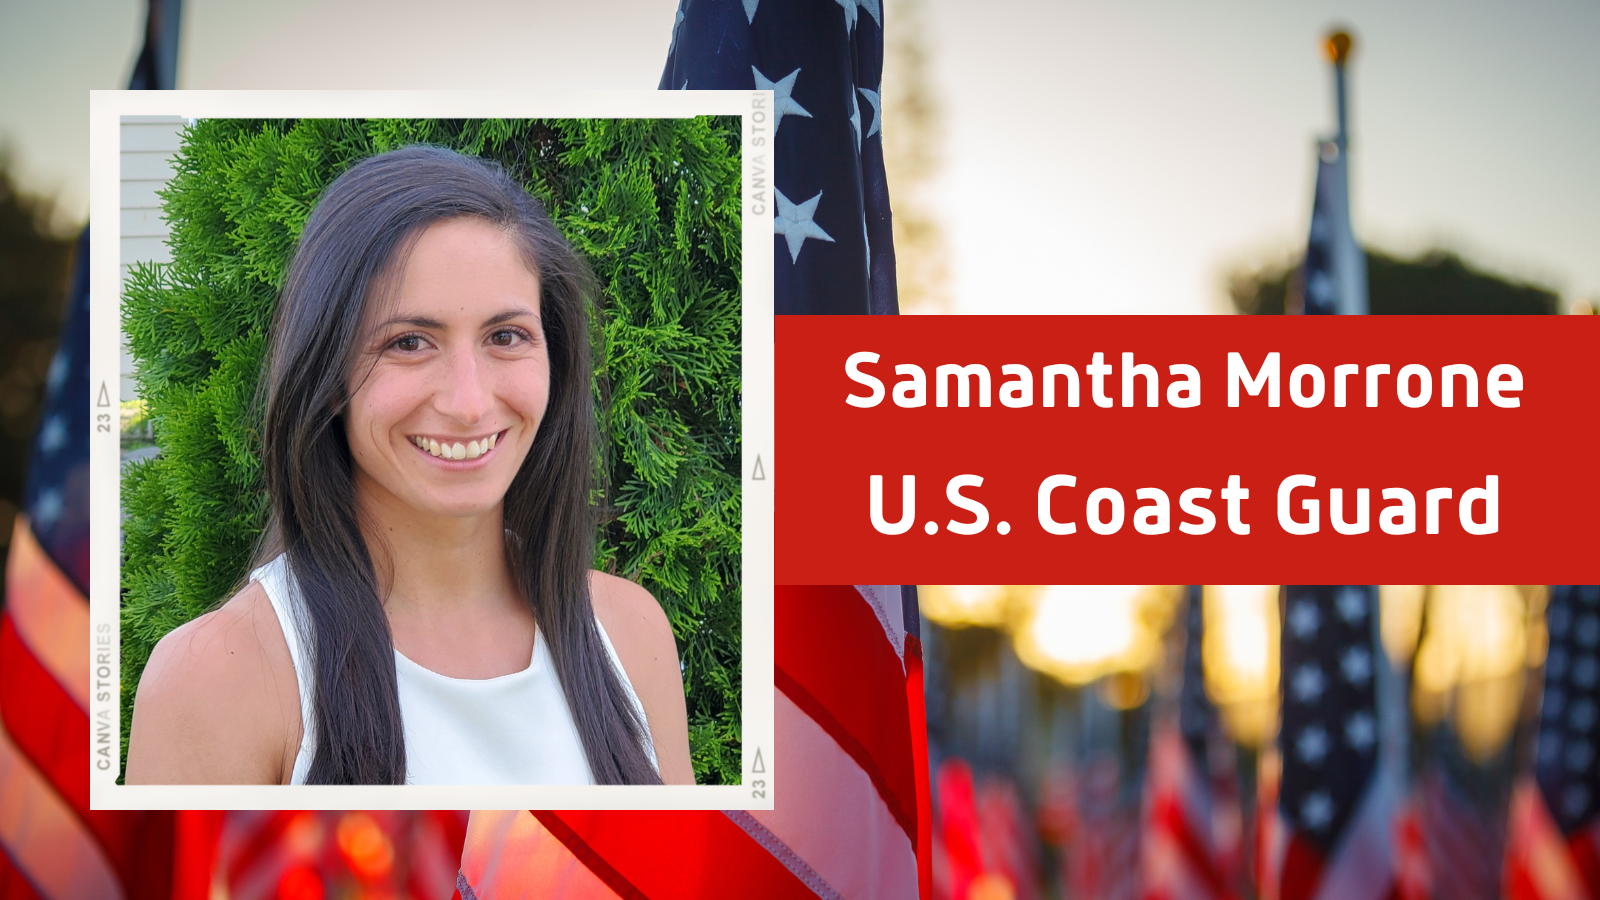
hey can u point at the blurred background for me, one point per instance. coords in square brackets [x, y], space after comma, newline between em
[1147, 156]
[1158, 741]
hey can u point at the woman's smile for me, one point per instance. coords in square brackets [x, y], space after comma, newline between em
[448, 449]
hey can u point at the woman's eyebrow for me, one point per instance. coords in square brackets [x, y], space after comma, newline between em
[509, 314]
[413, 321]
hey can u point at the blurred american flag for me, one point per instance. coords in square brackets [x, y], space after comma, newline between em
[54, 846]
[1554, 846]
[1335, 805]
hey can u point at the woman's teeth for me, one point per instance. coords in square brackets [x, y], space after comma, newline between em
[458, 450]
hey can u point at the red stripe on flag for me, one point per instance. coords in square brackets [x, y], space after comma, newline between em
[916, 702]
[1170, 817]
[847, 742]
[835, 663]
[13, 884]
[44, 723]
[195, 853]
[676, 855]
[1302, 870]
[586, 855]
[1585, 847]
[139, 845]
[52, 732]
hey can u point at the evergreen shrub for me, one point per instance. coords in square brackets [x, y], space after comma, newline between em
[654, 205]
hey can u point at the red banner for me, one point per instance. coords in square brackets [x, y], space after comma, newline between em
[1106, 449]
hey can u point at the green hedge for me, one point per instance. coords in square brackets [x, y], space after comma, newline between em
[652, 204]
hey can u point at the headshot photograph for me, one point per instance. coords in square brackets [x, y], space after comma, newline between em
[431, 463]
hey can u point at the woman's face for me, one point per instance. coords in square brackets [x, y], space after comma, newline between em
[454, 376]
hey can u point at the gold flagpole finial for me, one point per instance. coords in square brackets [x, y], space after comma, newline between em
[1337, 46]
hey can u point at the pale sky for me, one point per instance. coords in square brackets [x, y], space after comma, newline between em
[1122, 156]
[1101, 156]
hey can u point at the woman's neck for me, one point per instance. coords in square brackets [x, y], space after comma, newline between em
[446, 584]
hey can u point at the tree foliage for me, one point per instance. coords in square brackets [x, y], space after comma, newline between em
[34, 270]
[654, 205]
[1436, 283]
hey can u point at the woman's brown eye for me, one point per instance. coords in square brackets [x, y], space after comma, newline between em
[408, 343]
[504, 338]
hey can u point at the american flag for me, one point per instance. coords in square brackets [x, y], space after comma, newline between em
[1182, 856]
[1333, 279]
[54, 846]
[823, 61]
[851, 792]
[1463, 839]
[1555, 828]
[1334, 276]
[1104, 860]
[1336, 802]
[850, 797]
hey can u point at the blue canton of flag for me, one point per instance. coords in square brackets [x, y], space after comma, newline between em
[56, 498]
[1330, 724]
[1334, 277]
[1568, 764]
[1196, 716]
[823, 61]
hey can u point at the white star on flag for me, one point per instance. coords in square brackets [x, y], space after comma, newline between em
[1352, 604]
[1360, 731]
[852, 11]
[1357, 665]
[1320, 288]
[53, 436]
[1317, 811]
[1307, 684]
[855, 121]
[867, 238]
[794, 223]
[877, 110]
[750, 10]
[1313, 745]
[1303, 619]
[58, 371]
[47, 509]
[782, 102]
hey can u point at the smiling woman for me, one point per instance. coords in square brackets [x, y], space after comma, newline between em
[422, 608]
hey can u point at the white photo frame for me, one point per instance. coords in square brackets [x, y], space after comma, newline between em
[107, 111]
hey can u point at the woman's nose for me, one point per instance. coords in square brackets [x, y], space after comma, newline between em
[465, 394]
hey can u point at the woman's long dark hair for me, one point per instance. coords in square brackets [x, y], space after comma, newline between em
[350, 254]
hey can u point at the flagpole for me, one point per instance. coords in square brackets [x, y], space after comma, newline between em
[1338, 47]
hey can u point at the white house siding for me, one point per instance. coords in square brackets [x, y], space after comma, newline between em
[148, 146]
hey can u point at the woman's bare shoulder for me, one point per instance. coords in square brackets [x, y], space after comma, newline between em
[638, 628]
[218, 702]
[632, 607]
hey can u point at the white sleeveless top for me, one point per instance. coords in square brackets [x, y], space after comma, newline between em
[513, 729]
